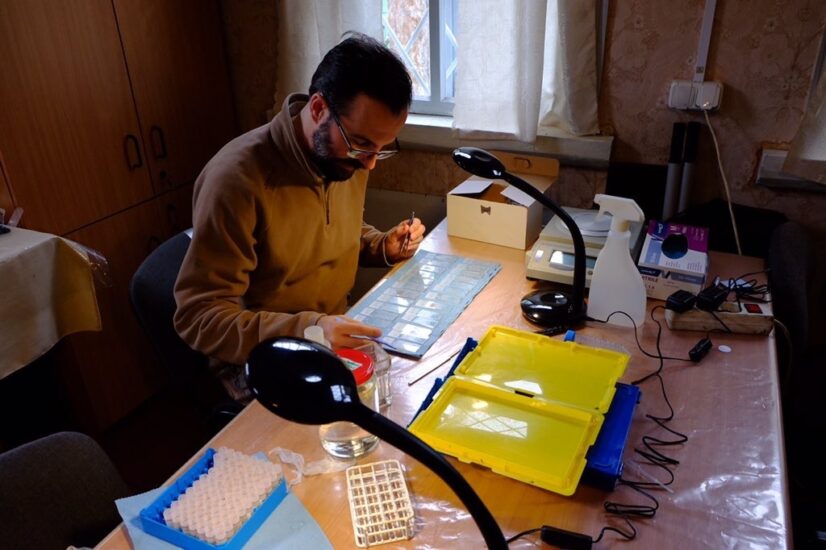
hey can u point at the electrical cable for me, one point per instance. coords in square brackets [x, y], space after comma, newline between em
[725, 183]
[570, 539]
[788, 336]
[624, 510]
[650, 452]
[624, 535]
[725, 326]
[522, 534]
[748, 289]
[636, 338]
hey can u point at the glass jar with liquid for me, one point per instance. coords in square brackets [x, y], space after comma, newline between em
[345, 439]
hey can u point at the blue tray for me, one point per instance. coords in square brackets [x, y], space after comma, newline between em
[154, 524]
[604, 458]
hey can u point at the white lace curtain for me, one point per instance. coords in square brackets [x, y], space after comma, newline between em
[307, 29]
[523, 65]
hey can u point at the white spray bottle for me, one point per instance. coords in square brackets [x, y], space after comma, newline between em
[616, 284]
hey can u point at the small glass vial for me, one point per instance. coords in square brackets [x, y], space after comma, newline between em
[381, 371]
[345, 439]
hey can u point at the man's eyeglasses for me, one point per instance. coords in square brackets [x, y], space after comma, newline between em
[361, 154]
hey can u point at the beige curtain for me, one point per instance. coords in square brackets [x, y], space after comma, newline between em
[526, 67]
[307, 29]
[807, 157]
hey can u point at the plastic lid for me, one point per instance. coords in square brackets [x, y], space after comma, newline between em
[358, 362]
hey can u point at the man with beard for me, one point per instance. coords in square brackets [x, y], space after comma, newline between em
[277, 214]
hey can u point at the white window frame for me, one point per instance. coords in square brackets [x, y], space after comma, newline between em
[441, 15]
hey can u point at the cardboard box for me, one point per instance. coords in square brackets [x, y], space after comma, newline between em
[495, 212]
[674, 257]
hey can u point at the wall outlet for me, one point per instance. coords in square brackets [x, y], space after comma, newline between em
[687, 94]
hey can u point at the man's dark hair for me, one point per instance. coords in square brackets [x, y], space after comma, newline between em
[361, 64]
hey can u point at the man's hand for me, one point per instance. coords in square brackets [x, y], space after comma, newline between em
[339, 330]
[394, 244]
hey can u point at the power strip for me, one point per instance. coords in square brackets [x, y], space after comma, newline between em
[752, 318]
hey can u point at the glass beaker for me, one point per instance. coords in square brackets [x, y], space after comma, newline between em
[345, 439]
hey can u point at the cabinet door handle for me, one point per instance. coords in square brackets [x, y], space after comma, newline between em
[158, 142]
[130, 144]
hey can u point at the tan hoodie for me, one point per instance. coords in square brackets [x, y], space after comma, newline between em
[273, 247]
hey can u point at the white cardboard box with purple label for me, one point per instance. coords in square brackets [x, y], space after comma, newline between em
[674, 257]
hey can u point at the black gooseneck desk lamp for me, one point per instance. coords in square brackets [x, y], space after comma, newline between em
[551, 308]
[305, 382]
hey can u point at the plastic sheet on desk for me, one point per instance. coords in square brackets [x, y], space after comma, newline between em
[441, 523]
[730, 487]
[417, 304]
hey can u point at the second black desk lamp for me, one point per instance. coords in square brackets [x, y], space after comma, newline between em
[549, 308]
[305, 382]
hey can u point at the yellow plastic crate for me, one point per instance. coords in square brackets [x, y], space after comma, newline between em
[525, 406]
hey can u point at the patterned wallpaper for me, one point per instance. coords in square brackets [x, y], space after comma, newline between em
[762, 50]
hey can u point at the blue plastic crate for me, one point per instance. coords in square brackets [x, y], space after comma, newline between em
[154, 524]
[604, 458]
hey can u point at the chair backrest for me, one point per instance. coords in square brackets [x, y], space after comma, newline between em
[151, 292]
[57, 491]
[791, 260]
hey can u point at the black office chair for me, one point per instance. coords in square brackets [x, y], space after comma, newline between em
[797, 287]
[58, 491]
[151, 293]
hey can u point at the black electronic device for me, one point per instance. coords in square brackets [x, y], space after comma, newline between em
[710, 299]
[680, 301]
[307, 383]
[700, 350]
[550, 308]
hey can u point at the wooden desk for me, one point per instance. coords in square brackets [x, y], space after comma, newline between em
[730, 486]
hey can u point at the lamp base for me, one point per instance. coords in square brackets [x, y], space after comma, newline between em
[550, 308]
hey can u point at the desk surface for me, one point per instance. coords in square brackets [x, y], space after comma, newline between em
[730, 486]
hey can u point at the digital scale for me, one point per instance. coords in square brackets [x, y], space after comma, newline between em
[552, 256]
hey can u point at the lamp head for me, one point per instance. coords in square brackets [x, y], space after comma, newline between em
[478, 162]
[301, 381]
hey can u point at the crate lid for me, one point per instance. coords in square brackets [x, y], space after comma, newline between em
[538, 366]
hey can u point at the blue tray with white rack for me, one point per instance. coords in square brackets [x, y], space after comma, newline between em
[152, 516]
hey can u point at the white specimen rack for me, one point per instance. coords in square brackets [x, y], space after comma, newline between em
[380, 504]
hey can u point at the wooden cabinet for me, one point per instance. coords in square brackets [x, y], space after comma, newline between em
[113, 371]
[178, 136]
[109, 109]
[70, 137]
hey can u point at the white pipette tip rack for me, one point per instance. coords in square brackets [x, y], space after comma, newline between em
[221, 500]
[218, 503]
